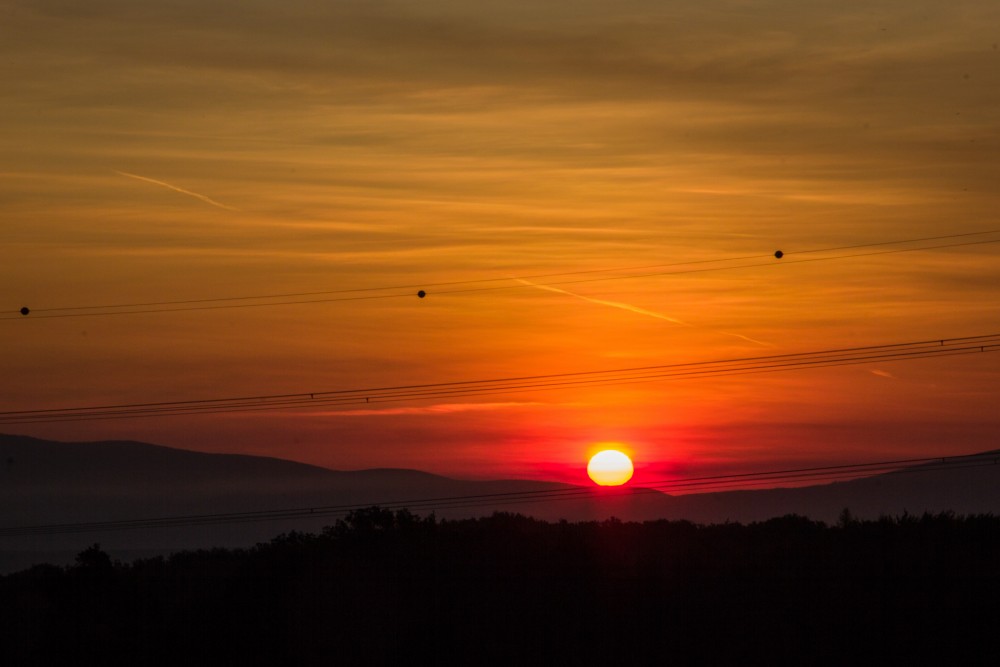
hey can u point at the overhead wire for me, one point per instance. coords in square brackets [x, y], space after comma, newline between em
[488, 284]
[526, 383]
[336, 398]
[812, 475]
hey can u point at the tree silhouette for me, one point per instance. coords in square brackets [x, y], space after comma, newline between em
[93, 559]
[386, 587]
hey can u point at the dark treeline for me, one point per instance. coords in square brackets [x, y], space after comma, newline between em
[390, 587]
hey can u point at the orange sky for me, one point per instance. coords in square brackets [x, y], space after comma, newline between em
[192, 150]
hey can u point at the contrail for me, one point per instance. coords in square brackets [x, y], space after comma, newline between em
[602, 302]
[747, 338]
[207, 200]
[635, 309]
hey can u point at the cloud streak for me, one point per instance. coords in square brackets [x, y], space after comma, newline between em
[612, 304]
[635, 309]
[204, 198]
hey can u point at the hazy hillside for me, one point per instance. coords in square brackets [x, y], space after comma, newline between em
[963, 490]
[44, 482]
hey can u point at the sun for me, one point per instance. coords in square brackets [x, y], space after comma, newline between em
[610, 468]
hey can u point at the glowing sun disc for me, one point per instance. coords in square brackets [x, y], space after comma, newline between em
[610, 468]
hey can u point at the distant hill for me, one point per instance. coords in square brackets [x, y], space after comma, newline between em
[45, 482]
[914, 490]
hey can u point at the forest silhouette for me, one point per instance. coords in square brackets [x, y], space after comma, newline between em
[384, 587]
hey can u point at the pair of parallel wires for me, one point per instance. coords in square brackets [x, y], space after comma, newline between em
[474, 388]
[779, 257]
[340, 398]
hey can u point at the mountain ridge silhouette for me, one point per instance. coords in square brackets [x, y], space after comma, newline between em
[44, 482]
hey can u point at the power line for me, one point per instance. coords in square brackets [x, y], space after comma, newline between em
[702, 484]
[471, 388]
[488, 284]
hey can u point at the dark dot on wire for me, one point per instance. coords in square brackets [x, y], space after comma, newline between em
[25, 310]
[421, 294]
[778, 254]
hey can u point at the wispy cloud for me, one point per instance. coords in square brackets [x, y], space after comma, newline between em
[747, 338]
[881, 373]
[638, 311]
[204, 198]
[612, 304]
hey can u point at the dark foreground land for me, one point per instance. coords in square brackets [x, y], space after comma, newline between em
[383, 587]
